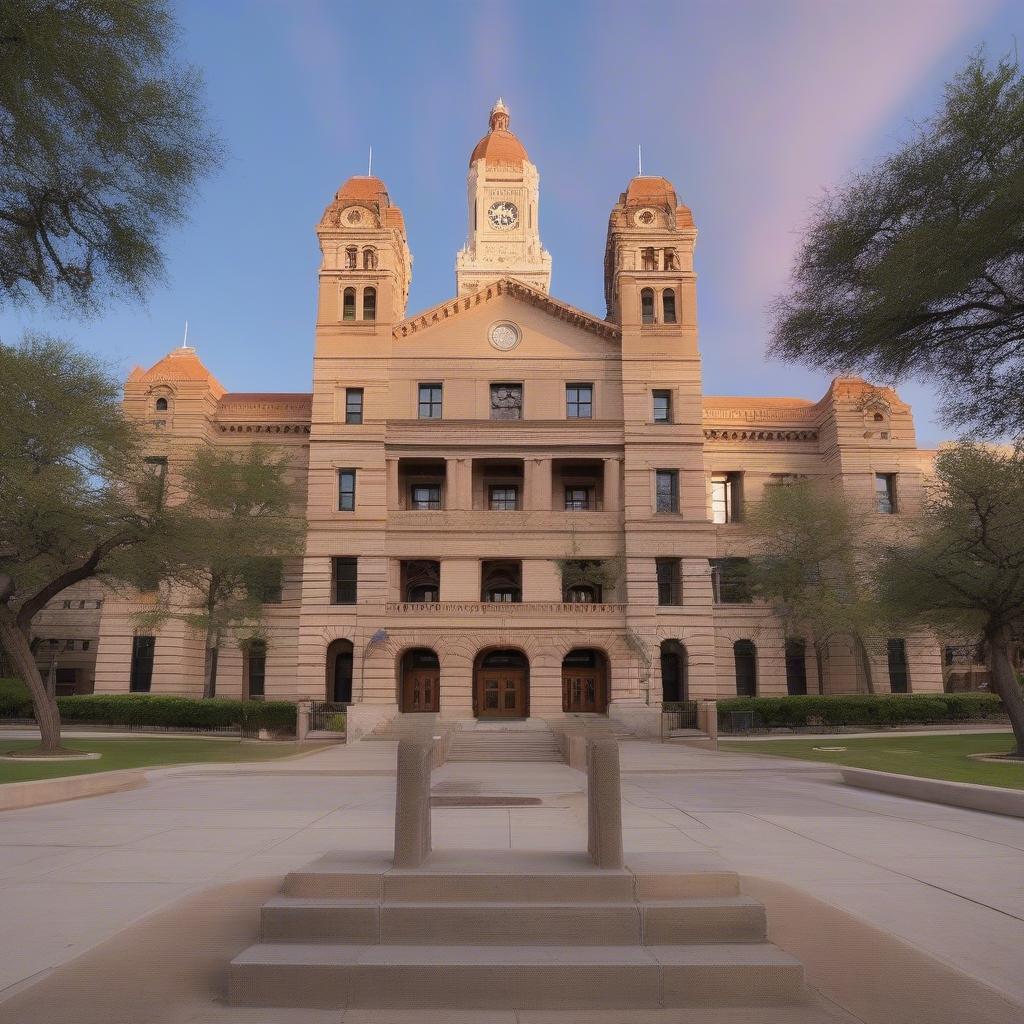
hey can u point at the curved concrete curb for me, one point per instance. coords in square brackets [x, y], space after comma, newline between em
[69, 787]
[992, 799]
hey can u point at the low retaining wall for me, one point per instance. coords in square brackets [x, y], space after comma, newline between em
[992, 799]
[70, 787]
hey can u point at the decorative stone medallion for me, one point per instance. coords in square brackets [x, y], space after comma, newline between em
[354, 216]
[645, 217]
[504, 335]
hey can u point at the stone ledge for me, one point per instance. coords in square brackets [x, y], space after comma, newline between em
[991, 799]
[14, 795]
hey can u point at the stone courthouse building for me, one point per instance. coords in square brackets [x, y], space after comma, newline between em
[518, 508]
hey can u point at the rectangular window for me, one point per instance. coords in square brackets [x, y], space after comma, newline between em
[579, 499]
[353, 405]
[430, 401]
[670, 587]
[662, 406]
[425, 496]
[899, 674]
[885, 493]
[666, 490]
[256, 669]
[796, 667]
[344, 581]
[506, 401]
[346, 490]
[143, 649]
[730, 581]
[726, 497]
[579, 401]
[503, 498]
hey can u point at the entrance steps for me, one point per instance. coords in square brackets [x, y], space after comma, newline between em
[507, 929]
[492, 745]
[402, 726]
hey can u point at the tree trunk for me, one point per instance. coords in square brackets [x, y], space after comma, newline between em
[17, 646]
[210, 670]
[865, 662]
[1004, 679]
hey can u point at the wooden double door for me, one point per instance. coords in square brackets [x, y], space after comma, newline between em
[584, 683]
[501, 686]
[421, 683]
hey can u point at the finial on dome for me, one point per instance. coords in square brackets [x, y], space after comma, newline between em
[499, 117]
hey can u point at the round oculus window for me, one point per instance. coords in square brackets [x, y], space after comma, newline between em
[504, 335]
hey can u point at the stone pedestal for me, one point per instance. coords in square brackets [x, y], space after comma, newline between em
[604, 803]
[412, 803]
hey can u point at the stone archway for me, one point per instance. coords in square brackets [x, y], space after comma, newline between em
[501, 684]
[675, 681]
[419, 684]
[338, 668]
[585, 681]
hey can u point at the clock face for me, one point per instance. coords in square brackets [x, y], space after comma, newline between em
[503, 215]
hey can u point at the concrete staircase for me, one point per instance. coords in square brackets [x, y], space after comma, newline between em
[491, 745]
[513, 930]
[401, 726]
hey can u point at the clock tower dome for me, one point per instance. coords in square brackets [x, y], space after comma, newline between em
[503, 239]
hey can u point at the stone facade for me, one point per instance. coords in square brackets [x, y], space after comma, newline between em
[459, 460]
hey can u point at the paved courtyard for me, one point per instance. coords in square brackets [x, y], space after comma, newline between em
[949, 882]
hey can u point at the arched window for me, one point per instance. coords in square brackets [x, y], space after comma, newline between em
[161, 405]
[745, 657]
[647, 305]
[255, 669]
[649, 260]
[351, 258]
[348, 305]
[369, 303]
[668, 305]
[582, 593]
[369, 259]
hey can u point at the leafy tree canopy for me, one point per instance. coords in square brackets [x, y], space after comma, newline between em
[101, 144]
[917, 265]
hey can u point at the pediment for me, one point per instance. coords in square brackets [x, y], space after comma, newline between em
[503, 299]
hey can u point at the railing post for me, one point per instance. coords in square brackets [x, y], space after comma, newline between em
[604, 803]
[412, 803]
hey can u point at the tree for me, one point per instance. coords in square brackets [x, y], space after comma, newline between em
[231, 521]
[963, 569]
[916, 266]
[101, 144]
[74, 492]
[812, 562]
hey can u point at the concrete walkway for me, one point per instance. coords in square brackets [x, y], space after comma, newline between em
[949, 882]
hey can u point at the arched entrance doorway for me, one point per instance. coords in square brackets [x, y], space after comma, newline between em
[674, 672]
[501, 684]
[420, 686]
[339, 672]
[585, 681]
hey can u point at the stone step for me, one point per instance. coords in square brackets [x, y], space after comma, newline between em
[727, 919]
[514, 745]
[502, 977]
[687, 878]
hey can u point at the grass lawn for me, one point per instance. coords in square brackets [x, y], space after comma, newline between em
[143, 752]
[930, 757]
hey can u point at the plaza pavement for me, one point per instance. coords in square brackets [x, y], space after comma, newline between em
[949, 882]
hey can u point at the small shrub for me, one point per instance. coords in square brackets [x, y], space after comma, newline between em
[863, 710]
[337, 723]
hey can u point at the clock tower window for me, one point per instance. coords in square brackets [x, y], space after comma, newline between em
[668, 306]
[348, 304]
[647, 305]
[369, 303]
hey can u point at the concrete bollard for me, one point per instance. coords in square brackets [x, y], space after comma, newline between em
[412, 802]
[303, 710]
[604, 803]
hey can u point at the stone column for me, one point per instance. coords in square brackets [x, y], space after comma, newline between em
[612, 489]
[604, 803]
[412, 803]
[463, 485]
[392, 497]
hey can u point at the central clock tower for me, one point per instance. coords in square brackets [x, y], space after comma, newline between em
[503, 239]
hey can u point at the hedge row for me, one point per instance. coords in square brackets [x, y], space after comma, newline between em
[865, 710]
[137, 709]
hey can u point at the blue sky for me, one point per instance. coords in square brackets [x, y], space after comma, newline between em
[751, 109]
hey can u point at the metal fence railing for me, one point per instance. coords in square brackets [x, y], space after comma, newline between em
[324, 715]
[678, 715]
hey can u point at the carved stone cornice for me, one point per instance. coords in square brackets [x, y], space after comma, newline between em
[501, 608]
[724, 434]
[263, 428]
